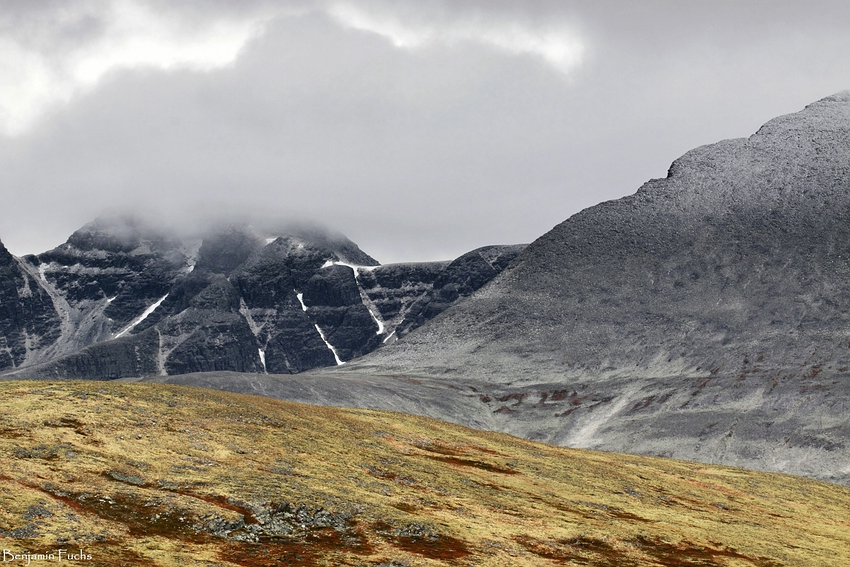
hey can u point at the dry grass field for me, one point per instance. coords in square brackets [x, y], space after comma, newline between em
[149, 474]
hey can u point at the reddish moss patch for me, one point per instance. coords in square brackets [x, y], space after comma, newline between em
[425, 543]
[470, 463]
[129, 510]
[576, 551]
[686, 554]
[311, 550]
[270, 553]
[221, 502]
[441, 547]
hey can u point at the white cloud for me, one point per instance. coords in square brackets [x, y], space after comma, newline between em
[558, 45]
[49, 57]
[52, 53]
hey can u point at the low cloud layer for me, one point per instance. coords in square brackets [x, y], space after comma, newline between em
[419, 129]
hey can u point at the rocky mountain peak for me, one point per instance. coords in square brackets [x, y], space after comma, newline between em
[224, 250]
[743, 251]
[123, 233]
[5, 257]
[788, 158]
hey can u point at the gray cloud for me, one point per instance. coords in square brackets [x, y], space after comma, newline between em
[419, 151]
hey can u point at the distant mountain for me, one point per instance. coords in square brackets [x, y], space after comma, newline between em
[123, 299]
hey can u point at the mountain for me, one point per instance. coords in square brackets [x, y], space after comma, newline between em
[736, 263]
[705, 317]
[124, 299]
[157, 475]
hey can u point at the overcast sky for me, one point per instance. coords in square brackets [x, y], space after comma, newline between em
[420, 129]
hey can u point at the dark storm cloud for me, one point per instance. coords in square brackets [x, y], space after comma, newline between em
[419, 129]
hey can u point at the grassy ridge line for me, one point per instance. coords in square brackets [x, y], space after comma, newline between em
[152, 474]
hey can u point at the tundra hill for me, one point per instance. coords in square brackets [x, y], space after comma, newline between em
[151, 474]
[705, 317]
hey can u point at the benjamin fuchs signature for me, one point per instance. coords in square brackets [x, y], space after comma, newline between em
[55, 556]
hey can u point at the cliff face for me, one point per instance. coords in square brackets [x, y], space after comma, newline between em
[121, 299]
[28, 320]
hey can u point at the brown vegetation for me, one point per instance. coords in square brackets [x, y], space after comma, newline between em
[148, 474]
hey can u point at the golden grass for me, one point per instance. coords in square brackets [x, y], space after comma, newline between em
[150, 474]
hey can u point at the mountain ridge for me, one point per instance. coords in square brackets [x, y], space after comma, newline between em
[132, 299]
[704, 317]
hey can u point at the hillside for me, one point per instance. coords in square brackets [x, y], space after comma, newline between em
[140, 474]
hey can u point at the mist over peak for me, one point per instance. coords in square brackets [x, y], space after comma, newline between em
[421, 130]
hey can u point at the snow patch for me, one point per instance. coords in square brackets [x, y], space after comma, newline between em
[339, 362]
[354, 267]
[300, 297]
[378, 321]
[142, 317]
[41, 270]
[263, 360]
[271, 239]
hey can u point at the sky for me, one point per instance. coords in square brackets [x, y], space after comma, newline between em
[420, 129]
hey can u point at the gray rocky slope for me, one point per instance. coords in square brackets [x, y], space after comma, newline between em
[122, 299]
[705, 317]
